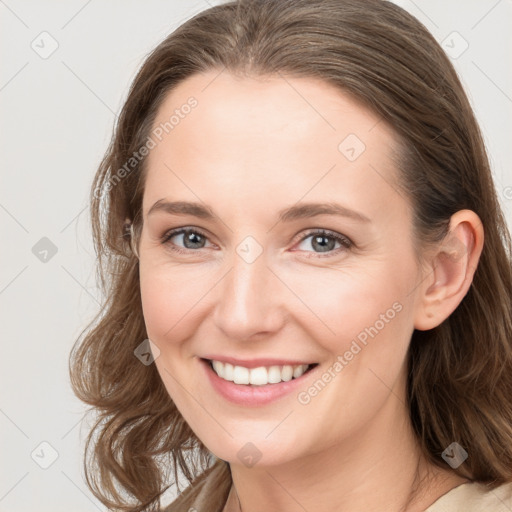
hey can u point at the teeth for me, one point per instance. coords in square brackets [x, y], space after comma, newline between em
[240, 375]
[258, 376]
[299, 370]
[228, 371]
[274, 374]
[287, 373]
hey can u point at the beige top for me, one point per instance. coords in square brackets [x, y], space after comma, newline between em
[467, 497]
[474, 497]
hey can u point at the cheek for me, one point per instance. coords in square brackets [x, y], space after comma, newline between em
[351, 303]
[366, 324]
[170, 299]
[158, 316]
[363, 320]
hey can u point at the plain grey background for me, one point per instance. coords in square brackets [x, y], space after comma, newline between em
[65, 71]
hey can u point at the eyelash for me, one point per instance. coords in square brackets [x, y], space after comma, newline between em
[343, 240]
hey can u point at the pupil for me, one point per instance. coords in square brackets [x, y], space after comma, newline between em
[323, 247]
[192, 238]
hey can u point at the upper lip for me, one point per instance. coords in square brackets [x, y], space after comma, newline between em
[255, 363]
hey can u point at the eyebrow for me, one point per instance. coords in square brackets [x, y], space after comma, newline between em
[295, 212]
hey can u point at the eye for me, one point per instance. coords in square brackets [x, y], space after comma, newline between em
[324, 241]
[191, 238]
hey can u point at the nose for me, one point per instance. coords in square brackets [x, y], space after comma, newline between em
[249, 300]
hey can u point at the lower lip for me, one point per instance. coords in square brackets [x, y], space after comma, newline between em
[250, 395]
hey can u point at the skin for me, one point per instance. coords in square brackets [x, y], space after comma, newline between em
[250, 148]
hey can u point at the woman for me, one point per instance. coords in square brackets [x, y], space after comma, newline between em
[301, 312]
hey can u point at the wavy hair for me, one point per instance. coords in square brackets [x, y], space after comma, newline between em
[459, 384]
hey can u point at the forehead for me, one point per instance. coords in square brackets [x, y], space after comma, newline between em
[299, 135]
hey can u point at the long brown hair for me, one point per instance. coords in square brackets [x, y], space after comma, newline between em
[460, 373]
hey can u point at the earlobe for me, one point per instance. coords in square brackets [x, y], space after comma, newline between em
[451, 273]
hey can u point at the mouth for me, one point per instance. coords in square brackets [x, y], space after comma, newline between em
[260, 375]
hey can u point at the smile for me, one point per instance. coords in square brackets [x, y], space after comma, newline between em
[259, 376]
[251, 385]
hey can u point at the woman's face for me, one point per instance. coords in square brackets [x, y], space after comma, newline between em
[254, 282]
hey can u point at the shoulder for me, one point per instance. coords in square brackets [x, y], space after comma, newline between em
[209, 488]
[475, 497]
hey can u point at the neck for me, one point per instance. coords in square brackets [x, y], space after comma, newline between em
[379, 468]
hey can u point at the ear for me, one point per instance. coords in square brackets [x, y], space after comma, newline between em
[450, 271]
[128, 234]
